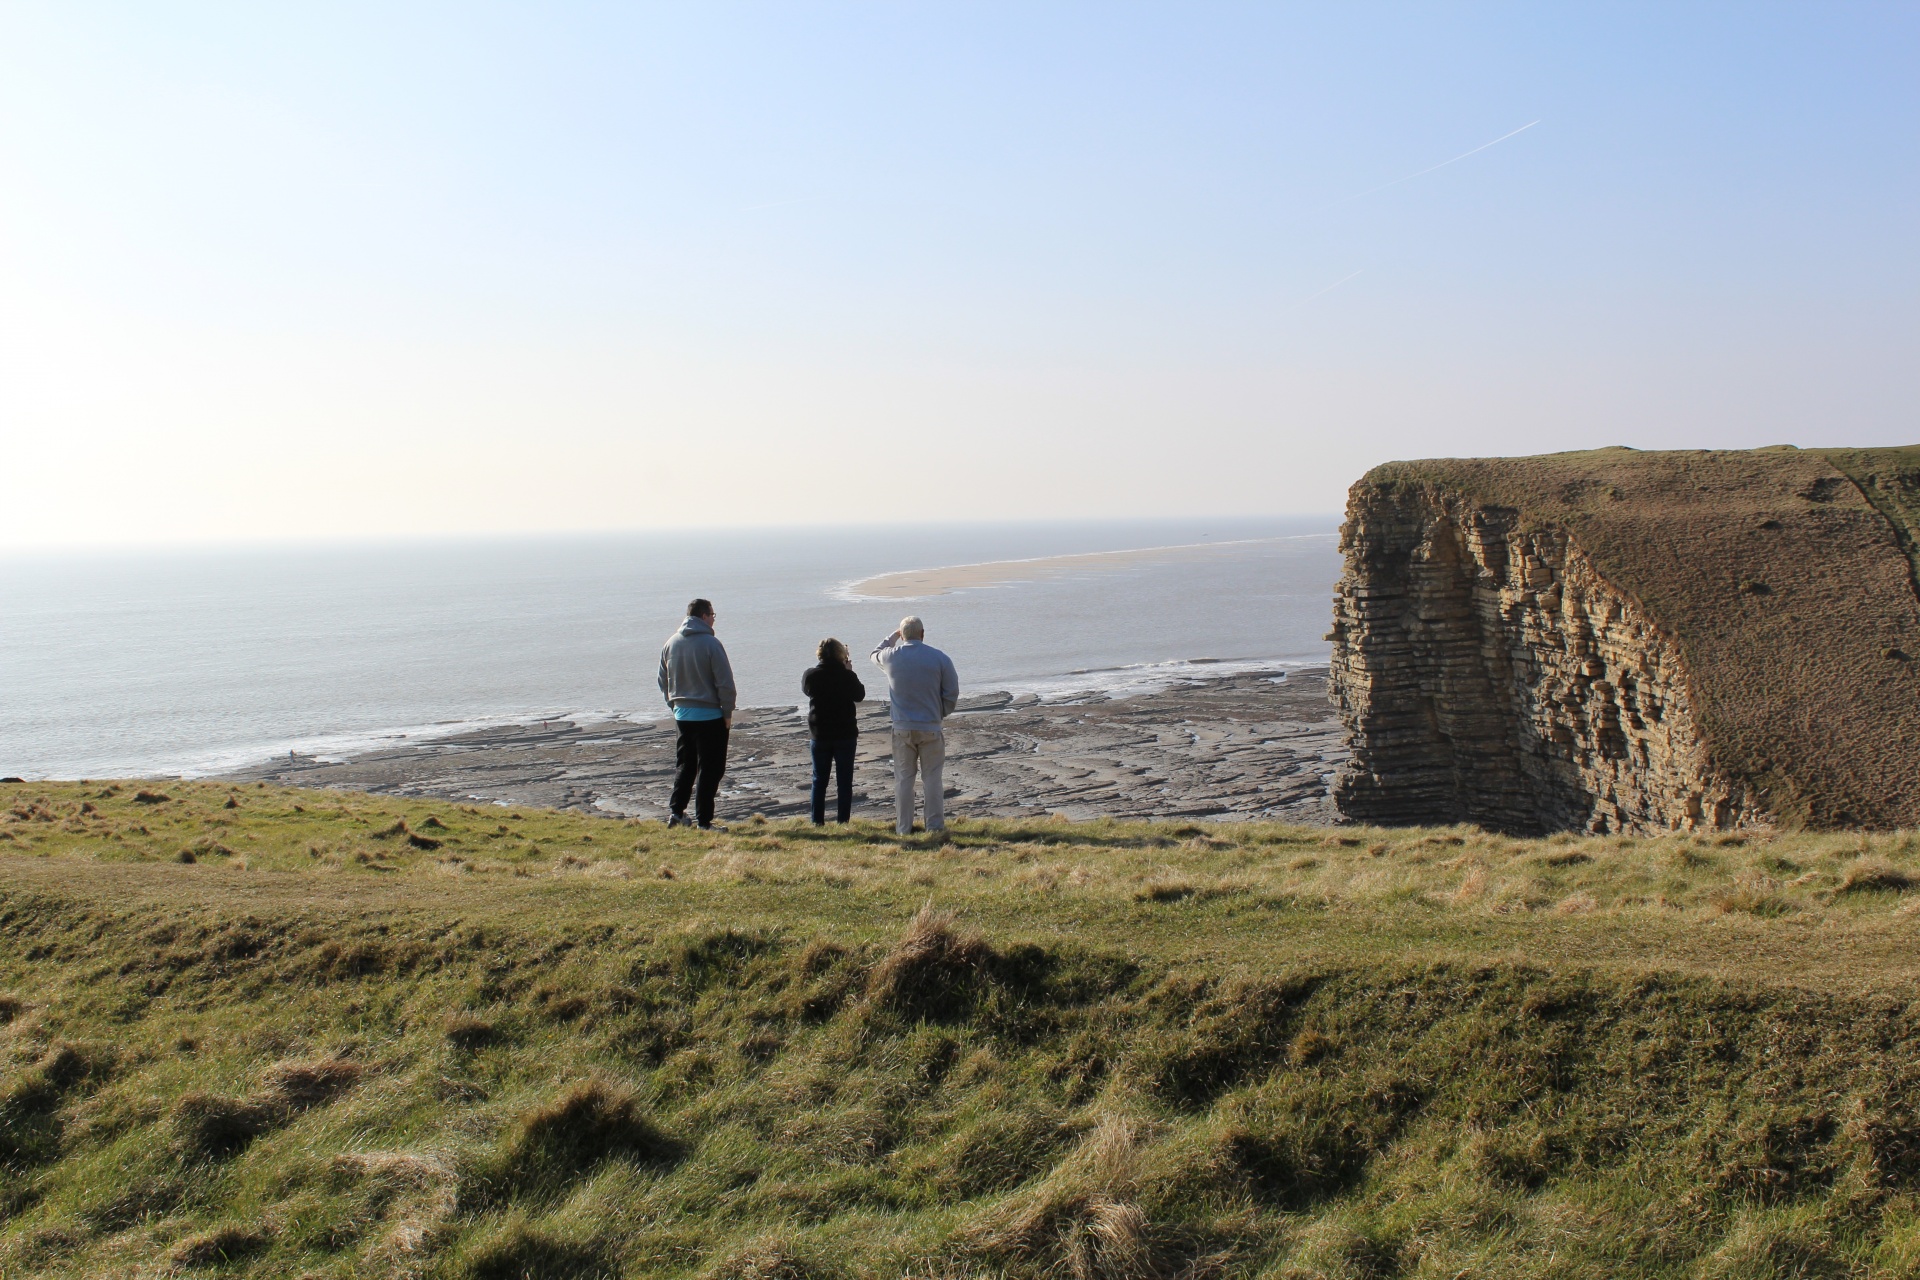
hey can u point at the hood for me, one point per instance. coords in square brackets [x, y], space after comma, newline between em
[695, 627]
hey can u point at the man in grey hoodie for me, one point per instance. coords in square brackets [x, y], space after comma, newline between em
[697, 681]
[922, 688]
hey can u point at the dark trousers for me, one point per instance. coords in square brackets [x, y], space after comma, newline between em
[833, 755]
[701, 753]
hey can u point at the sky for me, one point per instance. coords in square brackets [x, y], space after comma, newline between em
[346, 271]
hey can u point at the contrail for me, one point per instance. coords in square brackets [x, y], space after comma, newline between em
[1430, 168]
[1330, 288]
[775, 204]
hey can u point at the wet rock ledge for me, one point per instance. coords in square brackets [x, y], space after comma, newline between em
[1249, 745]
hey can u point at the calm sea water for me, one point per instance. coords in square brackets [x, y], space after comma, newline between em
[196, 662]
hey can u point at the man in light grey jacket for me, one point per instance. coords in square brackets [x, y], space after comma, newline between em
[697, 681]
[922, 688]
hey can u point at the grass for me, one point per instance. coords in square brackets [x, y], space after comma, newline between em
[363, 1036]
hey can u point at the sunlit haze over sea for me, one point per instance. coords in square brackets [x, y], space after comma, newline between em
[194, 662]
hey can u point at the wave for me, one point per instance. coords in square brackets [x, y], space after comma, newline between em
[1138, 679]
[333, 747]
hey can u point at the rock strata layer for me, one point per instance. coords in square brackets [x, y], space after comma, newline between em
[1488, 674]
[1627, 642]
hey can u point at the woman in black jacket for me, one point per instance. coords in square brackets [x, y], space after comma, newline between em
[832, 694]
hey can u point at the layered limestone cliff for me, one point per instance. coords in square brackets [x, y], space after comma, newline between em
[1488, 674]
[1626, 642]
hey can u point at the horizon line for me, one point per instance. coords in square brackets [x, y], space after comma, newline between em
[335, 541]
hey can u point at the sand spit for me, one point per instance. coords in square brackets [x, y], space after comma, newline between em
[1251, 745]
[914, 584]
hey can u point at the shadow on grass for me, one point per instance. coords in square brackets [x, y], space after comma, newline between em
[554, 1145]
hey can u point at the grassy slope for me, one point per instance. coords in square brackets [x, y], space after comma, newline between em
[555, 1045]
[1790, 594]
[1890, 480]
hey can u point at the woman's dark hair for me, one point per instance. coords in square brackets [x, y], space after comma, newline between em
[831, 650]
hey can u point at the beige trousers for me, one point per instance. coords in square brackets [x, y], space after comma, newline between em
[924, 751]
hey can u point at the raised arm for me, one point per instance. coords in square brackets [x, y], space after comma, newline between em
[884, 650]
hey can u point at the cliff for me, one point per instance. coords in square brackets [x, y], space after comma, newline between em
[1628, 641]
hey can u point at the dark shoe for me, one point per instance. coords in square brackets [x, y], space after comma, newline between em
[679, 820]
[713, 826]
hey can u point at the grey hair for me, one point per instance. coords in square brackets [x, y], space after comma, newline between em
[912, 628]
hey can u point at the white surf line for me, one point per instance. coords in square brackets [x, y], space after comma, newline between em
[1142, 678]
[1430, 168]
[851, 590]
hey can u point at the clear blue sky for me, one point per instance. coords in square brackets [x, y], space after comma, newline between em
[330, 270]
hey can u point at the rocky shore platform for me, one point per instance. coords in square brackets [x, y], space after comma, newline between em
[1244, 746]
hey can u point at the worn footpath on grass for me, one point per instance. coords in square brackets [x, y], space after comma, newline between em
[267, 1031]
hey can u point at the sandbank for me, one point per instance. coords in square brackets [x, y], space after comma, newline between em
[911, 584]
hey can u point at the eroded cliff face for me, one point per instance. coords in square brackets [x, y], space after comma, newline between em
[1486, 673]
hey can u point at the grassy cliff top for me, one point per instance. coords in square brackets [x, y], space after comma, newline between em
[1785, 576]
[274, 1032]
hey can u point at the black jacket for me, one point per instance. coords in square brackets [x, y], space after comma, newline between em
[832, 694]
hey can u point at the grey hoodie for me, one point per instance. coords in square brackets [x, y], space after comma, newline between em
[694, 670]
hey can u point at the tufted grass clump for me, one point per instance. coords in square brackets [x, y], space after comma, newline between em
[587, 1124]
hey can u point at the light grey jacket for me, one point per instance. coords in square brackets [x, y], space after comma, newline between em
[694, 670]
[922, 686]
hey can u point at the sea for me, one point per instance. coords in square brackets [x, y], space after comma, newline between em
[190, 663]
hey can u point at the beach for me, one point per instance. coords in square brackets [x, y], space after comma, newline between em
[916, 584]
[1249, 744]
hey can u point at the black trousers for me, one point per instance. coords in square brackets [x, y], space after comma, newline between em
[702, 756]
[827, 756]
